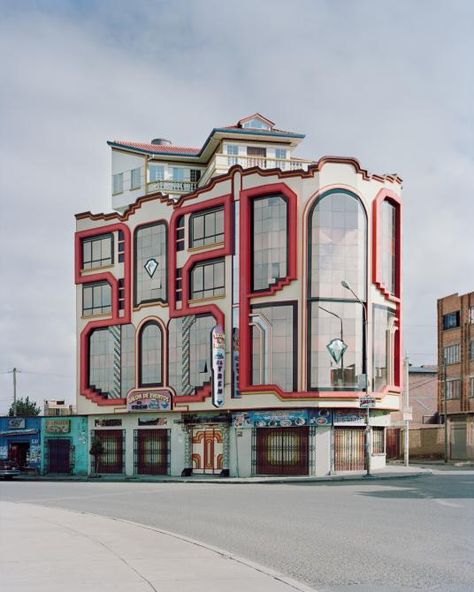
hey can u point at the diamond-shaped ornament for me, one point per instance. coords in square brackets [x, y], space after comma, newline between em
[151, 266]
[336, 348]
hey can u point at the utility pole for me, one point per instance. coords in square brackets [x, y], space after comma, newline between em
[445, 398]
[406, 448]
[14, 371]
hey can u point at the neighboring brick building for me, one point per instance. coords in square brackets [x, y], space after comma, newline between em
[456, 359]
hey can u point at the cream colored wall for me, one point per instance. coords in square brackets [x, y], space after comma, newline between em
[307, 189]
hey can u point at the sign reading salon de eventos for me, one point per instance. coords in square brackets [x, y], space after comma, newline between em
[218, 366]
[152, 399]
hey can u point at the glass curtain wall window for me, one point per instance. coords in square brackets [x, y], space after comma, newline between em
[274, 345]
[269, 241]
[112, 360]
[383, 319]
[208, 279]
[97, 251]
[189, 353]
[151, 355]
[151, 263]
[337, 251]
[207, 228]
[389, 244]
[96, 299]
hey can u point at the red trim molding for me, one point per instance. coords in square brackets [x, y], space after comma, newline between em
[245, 264]
[114, 319]
[377, 257]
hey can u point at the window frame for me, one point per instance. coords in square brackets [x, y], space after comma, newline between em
[203, 265]
[254, 290]
[117, 183]
[457, 314]
[133, 185]
[141, 383]
[94, 309]
[164, 298]
[451, 382]
[294, 305]
[310, 300]
[103, 262]
[203, 214]
[452, 354]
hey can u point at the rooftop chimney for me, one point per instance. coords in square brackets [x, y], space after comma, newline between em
[161, 142]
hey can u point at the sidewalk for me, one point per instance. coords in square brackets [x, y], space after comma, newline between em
[50, 550]
[395, 471]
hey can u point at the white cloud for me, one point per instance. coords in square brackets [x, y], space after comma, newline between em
[390, 83]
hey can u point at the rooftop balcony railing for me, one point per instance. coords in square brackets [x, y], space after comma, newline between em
[263, 162]
[170, 186]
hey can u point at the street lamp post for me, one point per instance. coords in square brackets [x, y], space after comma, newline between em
[347, 286]
[343, 346]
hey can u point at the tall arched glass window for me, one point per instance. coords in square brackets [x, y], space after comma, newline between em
[151, 355]
[337, 252]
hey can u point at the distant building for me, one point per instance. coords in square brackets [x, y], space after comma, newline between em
[232, 308]
[456, 364]
[53, 407]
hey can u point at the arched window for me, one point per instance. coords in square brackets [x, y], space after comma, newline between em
[151, 355]
[337, 252]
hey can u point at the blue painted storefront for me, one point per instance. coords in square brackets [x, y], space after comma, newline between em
[20, 440]
[64, 445]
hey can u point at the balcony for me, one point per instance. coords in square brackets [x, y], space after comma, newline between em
[221, 163]
[170, 186]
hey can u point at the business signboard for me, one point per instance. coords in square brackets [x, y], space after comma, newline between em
[282, 419]
[218, 366]
[16, 423]
[349, 417]
[152, 399]
[58, 426]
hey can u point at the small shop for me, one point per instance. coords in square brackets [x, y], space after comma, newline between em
[107, 446]
[151, 445]
[349, 439]
[20, 442]
[208, 444]
[283, 442]
[65, 445]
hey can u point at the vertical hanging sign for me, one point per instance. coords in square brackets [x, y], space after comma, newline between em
[218, 366]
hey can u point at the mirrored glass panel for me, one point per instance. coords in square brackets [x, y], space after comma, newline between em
[337, 247]
[151, 263]
[270, 241]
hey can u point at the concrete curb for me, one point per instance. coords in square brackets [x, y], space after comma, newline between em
[300, 587]
[235, 480]
[266, 571]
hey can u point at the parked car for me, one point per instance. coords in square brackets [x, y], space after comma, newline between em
[9, 469]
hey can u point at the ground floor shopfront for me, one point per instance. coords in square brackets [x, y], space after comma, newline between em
[20, 442]
[286, 442]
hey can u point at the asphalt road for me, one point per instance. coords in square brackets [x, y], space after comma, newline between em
[396, 535]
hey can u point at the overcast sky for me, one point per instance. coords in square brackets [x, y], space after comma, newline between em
[390, 83]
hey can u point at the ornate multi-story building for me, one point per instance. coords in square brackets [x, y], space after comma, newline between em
[236, 306]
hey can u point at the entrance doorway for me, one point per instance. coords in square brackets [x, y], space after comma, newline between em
[282, 451]
[151, 448]
[59, 456]
[349, 449]
[19, 453]
[208, 450]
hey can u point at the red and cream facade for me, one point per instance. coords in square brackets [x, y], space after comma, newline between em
[260, 253]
